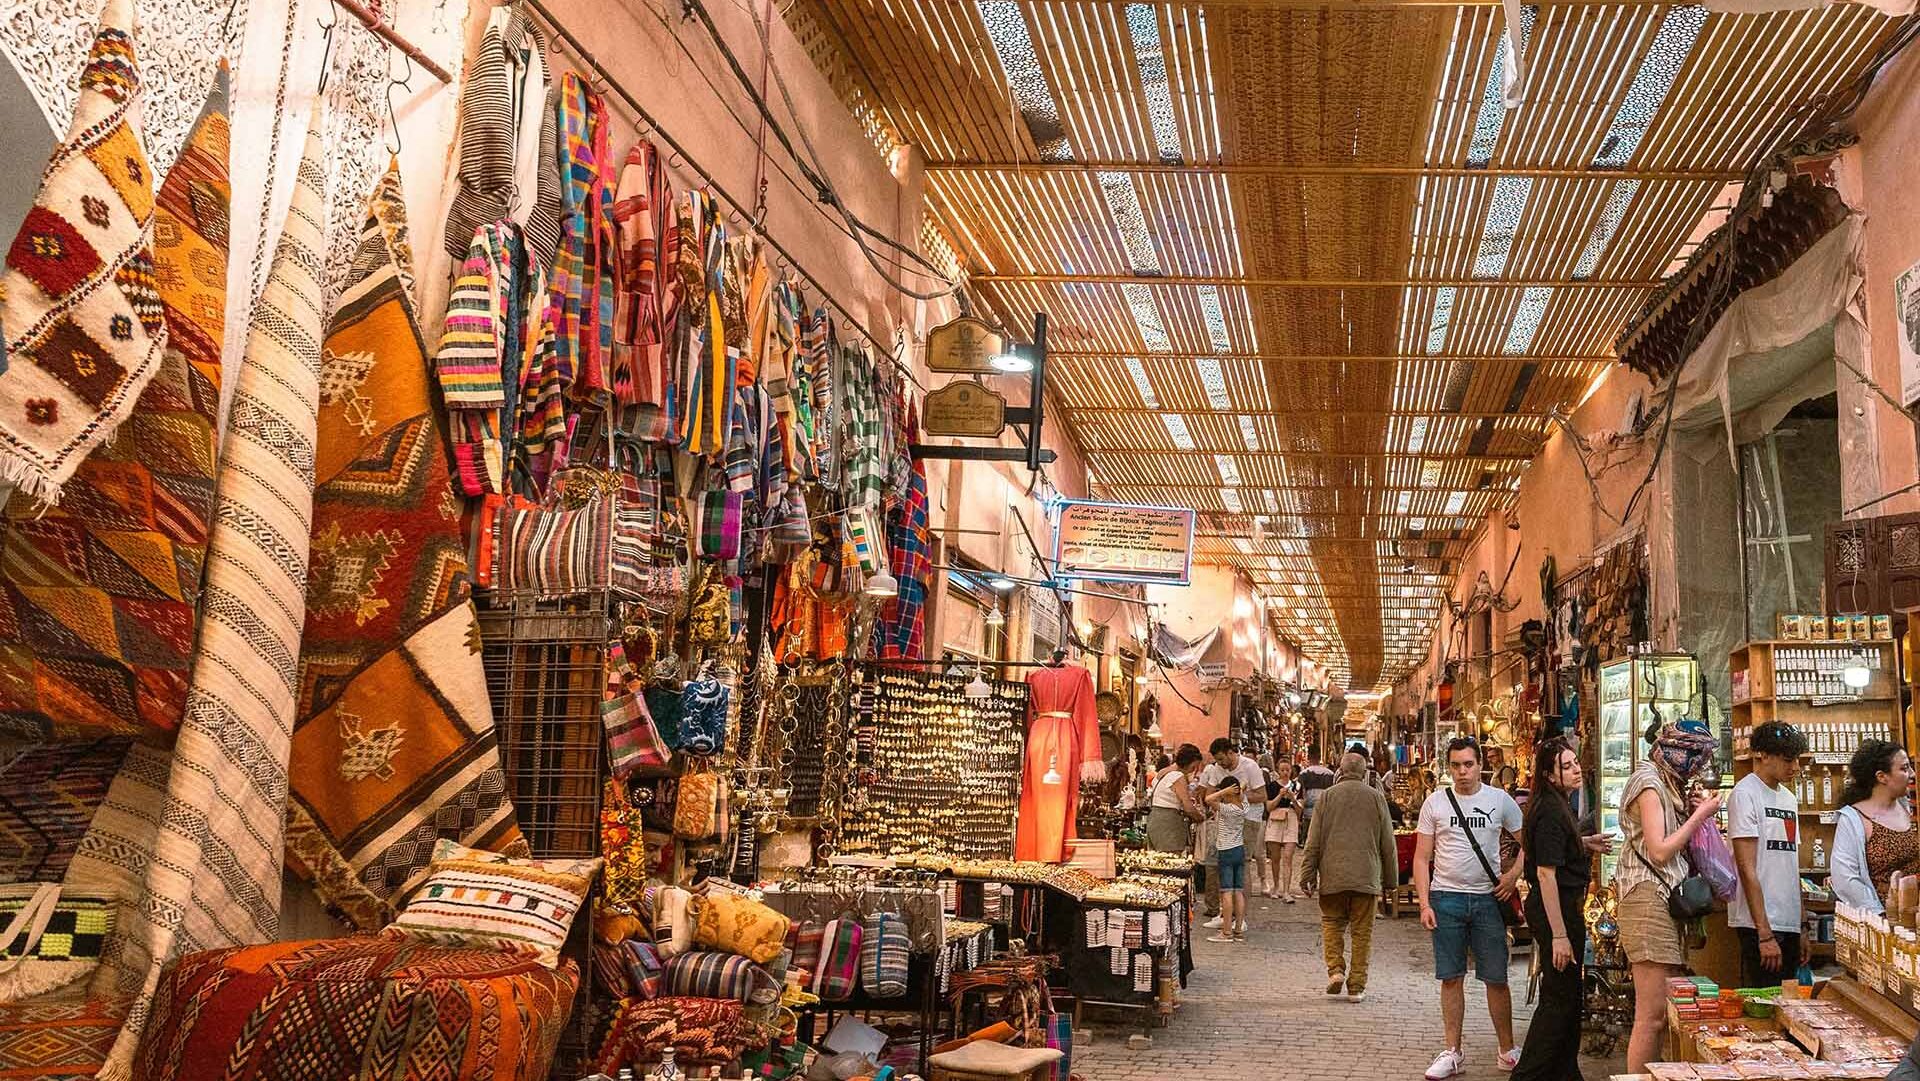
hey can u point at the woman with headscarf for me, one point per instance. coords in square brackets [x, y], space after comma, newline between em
[1660, 809]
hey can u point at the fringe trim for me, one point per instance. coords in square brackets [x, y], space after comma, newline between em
[28, 479]
[33, 977]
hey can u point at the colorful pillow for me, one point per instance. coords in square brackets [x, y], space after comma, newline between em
[610, 971]
[696, 812]
[475, 898]
[552, 553]
[804, 940]
[645, 969]
[742, 925]
[839, 969]
[702, 1032]
[705, 974]
[884, 953]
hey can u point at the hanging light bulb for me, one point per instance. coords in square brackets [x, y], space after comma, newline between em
[882, 585]
[1856, 675]
[1013, 361]
[978, 687]
[1052, 776]
[995, 617]
[1000, 583]
[1153, 730]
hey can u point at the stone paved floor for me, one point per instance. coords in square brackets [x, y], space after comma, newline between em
[1258, 1010]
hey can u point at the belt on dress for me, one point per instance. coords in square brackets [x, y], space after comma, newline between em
[1057, 713]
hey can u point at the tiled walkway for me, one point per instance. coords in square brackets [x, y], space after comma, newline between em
[1258, 1010]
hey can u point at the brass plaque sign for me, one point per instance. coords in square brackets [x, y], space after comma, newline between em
[964, 408]
[964, 345]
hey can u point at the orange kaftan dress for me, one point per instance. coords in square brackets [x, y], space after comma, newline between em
[1063, 732]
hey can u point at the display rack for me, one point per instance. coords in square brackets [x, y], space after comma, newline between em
[1634, 692]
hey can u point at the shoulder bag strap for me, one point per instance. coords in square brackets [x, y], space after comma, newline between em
[1460, 816]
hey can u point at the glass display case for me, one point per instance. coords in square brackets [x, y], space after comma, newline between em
[1634, 692]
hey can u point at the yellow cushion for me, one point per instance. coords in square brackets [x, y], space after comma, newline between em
[742, 925]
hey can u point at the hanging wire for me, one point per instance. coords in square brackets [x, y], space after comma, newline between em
[326, 52]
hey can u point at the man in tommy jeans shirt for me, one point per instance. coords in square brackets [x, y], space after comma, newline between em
[1763, 821]
[1460, 902]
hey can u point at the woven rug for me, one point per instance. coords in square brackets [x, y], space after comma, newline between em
[208, 869]
[99, 595]
[79, 303]
[395, 743]
[57, 1040]
[48, 796]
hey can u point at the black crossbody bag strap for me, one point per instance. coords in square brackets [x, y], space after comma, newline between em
[1461, 816]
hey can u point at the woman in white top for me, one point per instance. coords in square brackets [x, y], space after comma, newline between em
[1659, 813]
[1283, 832]
[1171, 809]
[1876, 837]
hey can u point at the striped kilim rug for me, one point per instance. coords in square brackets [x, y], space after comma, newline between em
[395, 743]
[209, 866]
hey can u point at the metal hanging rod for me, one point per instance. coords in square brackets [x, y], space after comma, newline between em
[1032, 168]
[1315, 283]
[1242, 453]
[387, 34]
[605, 78]
[1334, 358]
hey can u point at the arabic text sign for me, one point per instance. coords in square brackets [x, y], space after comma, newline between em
[1125, 542]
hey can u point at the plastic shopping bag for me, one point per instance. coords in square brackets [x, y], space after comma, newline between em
[1712, 859]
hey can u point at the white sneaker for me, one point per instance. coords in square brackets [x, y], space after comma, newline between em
[1214, 922]
[1509, 1059]
[1357, 996]
[1446, 1064]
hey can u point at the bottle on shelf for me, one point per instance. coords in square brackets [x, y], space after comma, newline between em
[1819, 854]
[667, 1071]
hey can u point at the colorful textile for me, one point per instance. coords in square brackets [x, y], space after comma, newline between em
[717, 530]
[500, 98]
[395, 745]
[483, 349]
[48, 797]
[581, 287]
[839, 970]
[699, 809]
[701, 1031]
[357, 1008]
[640, 214]
[863, 450]
[884, 954]
[674, 914]
[705, 378]
[210, 834]
[57, 1039]
[552, 553]
[645, 969]
[80, 310]
[1063, 733]
[632, 741]
[708, 974]
[99, 606]
[703, 716]
[474, 898]
[739, 924]
[902, 624]
[804, 940]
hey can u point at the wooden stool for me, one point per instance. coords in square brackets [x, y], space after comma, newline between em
[984, 1061]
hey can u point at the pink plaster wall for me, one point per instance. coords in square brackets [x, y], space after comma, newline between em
[1883, 163]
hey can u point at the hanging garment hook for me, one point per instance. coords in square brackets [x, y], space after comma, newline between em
[327, 27]
[393, 118]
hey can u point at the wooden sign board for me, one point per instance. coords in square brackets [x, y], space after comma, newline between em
[963, 408]
[964, 345]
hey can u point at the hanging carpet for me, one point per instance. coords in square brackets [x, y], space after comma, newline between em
[194, 840]
[395, 742]
[99, 595]
[48, 796]
[79, 303]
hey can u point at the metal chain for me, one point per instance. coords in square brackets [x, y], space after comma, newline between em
[834, 764]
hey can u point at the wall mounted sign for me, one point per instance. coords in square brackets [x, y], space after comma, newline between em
[964, 345]
[1124, 542]
[1213, 673]
[963, 408]
[1906, 316]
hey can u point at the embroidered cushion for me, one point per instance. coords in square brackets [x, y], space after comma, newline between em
[702, 1032]
[839, 969]
[884, 953]
[706, 974]
[475, 898]
[742, 925]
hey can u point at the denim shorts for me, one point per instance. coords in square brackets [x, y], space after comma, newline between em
[1233, 868]
[1468, 922]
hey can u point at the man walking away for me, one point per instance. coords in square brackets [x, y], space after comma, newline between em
[1763, 821]
[1456, 873]
[1350, 852]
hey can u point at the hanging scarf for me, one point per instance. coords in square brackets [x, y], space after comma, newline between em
[864, 431]
[778, 375]
[582, 284]
[640, 318]
[902, 627]
[708, 378]
[481, 352]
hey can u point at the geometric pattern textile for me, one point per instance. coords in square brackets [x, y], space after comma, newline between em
[59, 1039]
[356, 1009]
[394, 746]
[210, 875]
[48, 796]
[99, 595]
[79, 304]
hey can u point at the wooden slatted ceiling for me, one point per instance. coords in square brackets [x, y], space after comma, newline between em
[1352, 483]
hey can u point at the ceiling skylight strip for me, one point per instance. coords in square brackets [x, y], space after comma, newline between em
[1231, 500]
[1679, 30]
[1442, 318]
[1130, 217]
[1143, 24]
[1249, 433]
[1216, 319]
[1215, 381]
[1146, 316]
[1228, 468]
[1177, 430]
[1509, 202]
[1492, 115]
[1603, 230]
[1007, 28]
[1526, 319]
[1140, 383]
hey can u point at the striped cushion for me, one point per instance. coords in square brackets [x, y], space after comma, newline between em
[552, 553]
[884, 949]
[708, 974]
[839, 969]
[804, 940]
[475, 898]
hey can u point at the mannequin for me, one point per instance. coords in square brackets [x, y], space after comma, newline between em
[1063, 739]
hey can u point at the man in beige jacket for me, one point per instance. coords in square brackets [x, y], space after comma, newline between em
[1350, 855]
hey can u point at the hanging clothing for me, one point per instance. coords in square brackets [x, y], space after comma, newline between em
[706, 379]
[641, 212]
[502, 101]
[863, 437]
[1063, 734]
[584, 266]
[902, 628]
[482, 350]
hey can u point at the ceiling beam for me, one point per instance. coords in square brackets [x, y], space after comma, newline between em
[1357, 486]
[1291, 456]
[1290, 169]
[1340, 358]
[1316, 283]
[1357, 414]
